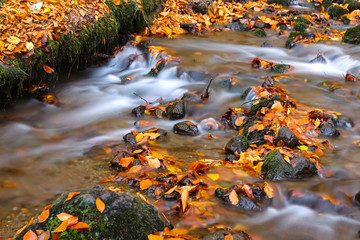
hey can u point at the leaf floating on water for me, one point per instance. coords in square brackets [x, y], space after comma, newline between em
[213, 176]
[30, 235]
[100, 205]
[48, 69]
[234, 199]
[43, 216]
[71, 195]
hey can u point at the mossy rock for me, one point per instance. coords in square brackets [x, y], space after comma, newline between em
[275, 168]
[279, 2]
[336, 11]
[299, 19]
[353, 5]
[300, 27]
[263, 102]
[293, 35]
[352, 35]
[326, 3]
[124, 217]
[279, 68]
[237, 145]
[345, 20]
[260, 33]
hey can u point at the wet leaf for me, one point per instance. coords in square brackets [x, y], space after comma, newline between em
[30, 235]
[229, 237]
[303, 147]
[153, 162]
[48, 69]
[44, 236]
[43, 216]
[71, 195]
[239, 121]
[213, 176]
[100, 205]
[142, 197]
[80, 226]
[184, 198]
[145, 184]
[64, 216]
[155, 237]
[234, 199]
[62, 227]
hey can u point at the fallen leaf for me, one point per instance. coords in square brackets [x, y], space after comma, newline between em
[229, 237]
[145, 184]
[80, 225]
[30, 235]
[239, 121]
[48, 69]
[153, 162]
[234, 199]
[71, 195]
[213, 176]
[100, 205]
[155, 237]
[142, 197]
[62, 227]
[64, 216]
[184, 197]
[44, 215]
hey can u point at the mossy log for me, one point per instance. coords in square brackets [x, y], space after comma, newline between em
[75, 48]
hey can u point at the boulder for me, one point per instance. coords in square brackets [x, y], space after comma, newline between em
[237, 145]
[176, 110]
[124, 217]
[287, 137]
[186, 128]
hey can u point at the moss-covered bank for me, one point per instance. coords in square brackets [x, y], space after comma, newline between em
[76, 48]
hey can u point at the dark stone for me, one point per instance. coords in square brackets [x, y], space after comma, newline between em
[276, 169]
[329, 130]
[356, 200]
[198, 76]
[138, 111]
[260, 25]
[130, 139]
[238, 26]
[280, 2]
[220, 235]
[352, 35]
[266, 44]
[115, 160]
[124, 217]
[260, 33]
[287, 137]
[176, 110]
[319, 59]
[186, 128]
[237, 145]
[336, 11]
[280, 68]
[282, 26]
[190, 27]
[199, 6]
[269, 10]
[344, 122]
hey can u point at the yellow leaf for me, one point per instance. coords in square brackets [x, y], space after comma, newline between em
[13, 40]
[239, 121]
[100, 205]
[139, 137]
[46, 10]
[29, 46]
[317, 123]
[268, 190]
[152, 135]
[172, 168]
[303, 147]
[155, 237]
[213, 176]
[234, 199]
[145, 184]
[153, 162]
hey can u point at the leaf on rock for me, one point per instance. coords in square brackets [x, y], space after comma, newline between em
[184, 197]
[62, 227]
[30, 235]
[80, 226]
[71, 195]
[48, 69]
[234, 199]
[64, 216]
[240, 121]
[155, 237]
[142, 197]
[43, 216]
[100, 205]
[229, 237]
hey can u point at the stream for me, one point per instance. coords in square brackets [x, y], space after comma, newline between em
[45, 149]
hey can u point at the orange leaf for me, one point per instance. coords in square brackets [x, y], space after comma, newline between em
[72, 221]
[64, 216]
[71, 195]
[100, 205]
[319, 152]
[145, 184]
[30, 235]
[48, 69]
[62, 227]
[44, 235]
[43, 216]
[80, 225]
[153, 162]
[239, 121]
[229, 237]
[143, 197]
[184, 197]
[233, 197]
[125, 162]
[117, 2]
[155, 237]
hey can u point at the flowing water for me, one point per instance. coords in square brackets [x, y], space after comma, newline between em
[45, 150]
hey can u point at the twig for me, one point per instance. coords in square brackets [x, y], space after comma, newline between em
[140, 97]
[206, 94]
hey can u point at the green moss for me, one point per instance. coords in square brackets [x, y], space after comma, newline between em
[345, 20]
[352, 35]
[300, 27]
[292, 36]
[336, 11]
[279, 2]
[245, 93]
[299, 19]
[260, 33]
[353, 5]
[263, 102]
[279, 68]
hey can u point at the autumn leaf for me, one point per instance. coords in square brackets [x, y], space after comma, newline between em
[234, 199]
[64, 216]
[145, 184]
[117, 2]
[62, 227]
[155, 237]
[184, 197]
[30, 235]
[229, 237]
[142, 197]
[239, 121]
[80, 226]
[100, 205]
[153, 162]
[48, 69]
[71, 195]
[213, 176]
[43, 216]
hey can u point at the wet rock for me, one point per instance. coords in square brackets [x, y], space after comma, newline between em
[275, 168]
[176, 110]
[124, 217]
[116, 160]
[352, 35]
[186, 128]
[237, 145]
[130, 139]
[269, 10]
[299, 19]
[280, 2]
[319, 59]
[260, 25]
[209, 124]
[329, 130]
[344, 121]
[286, 136]
[220, 235]
[190, 27]
[266, 44]
[280, 68]
[238, 26]
[300, 26]
[260, 32]
[336, 11]
[264, 102]
[268, 82]
[230, 84]
[293, 35]
[198, 76]
[138, 111]
[356, 200]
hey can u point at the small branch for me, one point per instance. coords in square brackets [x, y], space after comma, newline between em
[140, 97]
[206, 94]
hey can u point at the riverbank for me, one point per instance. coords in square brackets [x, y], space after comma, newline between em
[41, 40]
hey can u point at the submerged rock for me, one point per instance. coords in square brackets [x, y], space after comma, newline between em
[238, 26]
[275, 168]
[260, 32]
[186, 128]
[138, 111]
[329, 130]
[124, 217]
[344, 121]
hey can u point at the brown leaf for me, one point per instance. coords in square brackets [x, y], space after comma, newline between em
[44, 215]
[71, 195]
[100, 205]
[48, 69]
[30, 235]
[184, 197]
